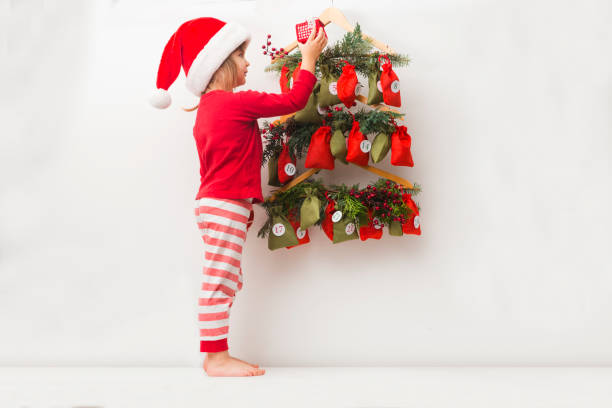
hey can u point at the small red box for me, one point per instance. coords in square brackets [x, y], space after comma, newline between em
[303, 30]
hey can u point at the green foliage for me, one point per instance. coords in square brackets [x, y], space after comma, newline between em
[352, 48]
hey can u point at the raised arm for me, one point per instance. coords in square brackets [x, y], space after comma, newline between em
[264, 105]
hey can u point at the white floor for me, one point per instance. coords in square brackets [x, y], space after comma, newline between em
[490, 387]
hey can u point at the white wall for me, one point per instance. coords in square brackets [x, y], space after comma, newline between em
[508, 103]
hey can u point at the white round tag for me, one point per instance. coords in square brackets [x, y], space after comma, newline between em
[337, 216]
[365, 146]
[379, 86]
[350, 228]
[278, 229]
[395, 86]
[376, 223]
[358, 88]
[290, 169]
[300, 233]
[417, 222]
[333, 88]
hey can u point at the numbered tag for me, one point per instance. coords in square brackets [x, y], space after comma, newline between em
[278, 229]
[365, 146]
[379, 86]
[395, 86]
[417, 222]
[333, 88]
[358, 88]
[290, 169]
[350, 228]
[376, 222]
[337, 216]
[300, 233]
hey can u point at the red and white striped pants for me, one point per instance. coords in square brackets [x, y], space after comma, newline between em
[223, 224]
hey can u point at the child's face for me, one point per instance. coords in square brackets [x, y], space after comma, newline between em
[241, 65]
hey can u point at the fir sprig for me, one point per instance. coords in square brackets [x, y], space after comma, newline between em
[352, 48]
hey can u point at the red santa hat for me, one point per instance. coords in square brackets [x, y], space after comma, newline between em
[200, 46]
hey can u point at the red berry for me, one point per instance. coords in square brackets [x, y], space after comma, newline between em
[269, 35]
[282, 49]
[265, 53]
[273, 49]
[263, 47]
[269, 42]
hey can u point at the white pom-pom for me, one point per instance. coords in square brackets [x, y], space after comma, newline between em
[160, 99]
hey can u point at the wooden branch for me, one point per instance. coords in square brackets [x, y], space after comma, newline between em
[334, 15]
[294, 182]
[387, 175]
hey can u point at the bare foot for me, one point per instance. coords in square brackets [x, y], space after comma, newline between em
[223, 365]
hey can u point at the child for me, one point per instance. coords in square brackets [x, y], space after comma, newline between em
[228, 140]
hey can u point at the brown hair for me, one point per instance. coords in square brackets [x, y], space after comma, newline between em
[226, 75]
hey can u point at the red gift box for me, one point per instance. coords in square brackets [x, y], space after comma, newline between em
[303, 30]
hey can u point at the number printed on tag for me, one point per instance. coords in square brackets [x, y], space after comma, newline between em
[376, 223]
[365, 146]
[378, 86]
[417, 221]
[300, 233]
[333, 88]
[278, 229]
[337, 216]
[358, 88]
[350, 228]
[290, 169]
[395, 86]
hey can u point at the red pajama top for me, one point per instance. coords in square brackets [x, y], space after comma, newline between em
[229, 140]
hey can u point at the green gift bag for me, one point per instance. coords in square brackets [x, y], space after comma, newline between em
[281, 234]
[380, 147]
[273, 172]
[345, 230]
[375, 95]
[310, 113]
[395, 229]
[310, 209]
[328, 95]
[338, 146]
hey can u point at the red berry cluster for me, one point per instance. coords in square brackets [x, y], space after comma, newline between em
[272, 51]
[378, 199]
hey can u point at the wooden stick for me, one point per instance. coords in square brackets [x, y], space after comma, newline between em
[294, 182]
[387, 175]
[334, 15]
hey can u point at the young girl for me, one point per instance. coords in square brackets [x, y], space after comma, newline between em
[228, 140]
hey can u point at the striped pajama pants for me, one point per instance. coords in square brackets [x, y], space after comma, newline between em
[223, 225]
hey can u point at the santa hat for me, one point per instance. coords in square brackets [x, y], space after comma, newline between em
[200, 46]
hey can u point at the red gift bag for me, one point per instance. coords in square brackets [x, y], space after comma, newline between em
[303, 30]
[327, 224]
[284, 79]
[319, 152]
[302, 235]
[358, 146]
[400, 147]
[347, 85]
[413, 225]
[390, 84]
[374, 228]
[286, 165]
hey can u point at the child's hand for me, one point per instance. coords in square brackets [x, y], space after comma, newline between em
[313, 47]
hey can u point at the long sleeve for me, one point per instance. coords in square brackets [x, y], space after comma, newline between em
[255, 104]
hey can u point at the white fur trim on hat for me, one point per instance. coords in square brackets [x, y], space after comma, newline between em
[160, 98]
[210, 58]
